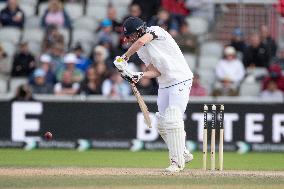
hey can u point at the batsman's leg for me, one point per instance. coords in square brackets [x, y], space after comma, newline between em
[162, 131]
[174, 126]
[179, 97]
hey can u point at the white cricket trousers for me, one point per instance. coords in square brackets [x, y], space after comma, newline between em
[176, 95]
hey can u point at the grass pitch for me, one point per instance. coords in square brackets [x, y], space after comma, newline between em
[124, 169]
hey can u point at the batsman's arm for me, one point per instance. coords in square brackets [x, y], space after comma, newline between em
[151, 72]
[138, 44]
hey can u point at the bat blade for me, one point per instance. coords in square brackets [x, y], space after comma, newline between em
[142, 105]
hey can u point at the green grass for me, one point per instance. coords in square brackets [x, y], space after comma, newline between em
[123, 158]
[144, 159]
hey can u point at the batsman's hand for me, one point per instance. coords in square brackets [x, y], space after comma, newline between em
[131, 76]
[137, 76]
[120, 63]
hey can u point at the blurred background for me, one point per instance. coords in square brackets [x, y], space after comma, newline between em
[56, 71]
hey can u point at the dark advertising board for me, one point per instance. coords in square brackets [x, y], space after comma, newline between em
[257, 127]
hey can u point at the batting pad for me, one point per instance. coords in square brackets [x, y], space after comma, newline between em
[174, 126]
[161, 129]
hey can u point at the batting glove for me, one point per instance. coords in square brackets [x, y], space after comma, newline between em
[131, 76]
[120, 63]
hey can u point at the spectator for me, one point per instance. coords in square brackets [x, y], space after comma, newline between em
[105, 34]
[146, 87]
[186, 40]
[238, 41]
[115, 86]
[70, 61]
[57, 53]
[148, 8]
[4, 62]
[203, 9]
[197, 89]
[101, 55]
[164, 20]
[91, 85]
[101, 72]
[268, 41]
[40, 86]
[275, 75]
[134, 11]
[24, 61]
[229, 72]
[52, 36]
[55, 15]
[176, 8]
[279, 59]
[280, 7]
[256, 55]
[12, 15]
[66, 86]
[46, 64]
[83, 62]
[112, 16]
[23, 93]
[272, 92]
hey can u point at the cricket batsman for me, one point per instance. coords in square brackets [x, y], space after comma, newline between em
[164, 61]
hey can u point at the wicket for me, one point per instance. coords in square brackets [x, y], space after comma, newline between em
[217, 117]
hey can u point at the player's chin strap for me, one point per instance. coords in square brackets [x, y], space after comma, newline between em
[174, 127]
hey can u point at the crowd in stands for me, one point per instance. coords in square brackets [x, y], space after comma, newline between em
[241, 60]
[66, 66]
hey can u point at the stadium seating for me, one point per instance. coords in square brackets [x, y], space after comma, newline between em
[9, 47]
[28, 10]
[207, 78]
[208, 62]
[96, 11]
[257, 72]
[250, 89]
[121, 2]
[29, 2]
[98, 2]
[85, 22]
[42, 8]
[16, 82]
[81, 35]
[6, 66]
[66, 35]
[121, 12]
[34, 34]
[2, 5]
[74, 10]
[3, 85]
[32, 22]
[211, 48]
[191, 60]
[85, 37]
[11, 34]
[121, 7]
[35, 48]
[197, 25]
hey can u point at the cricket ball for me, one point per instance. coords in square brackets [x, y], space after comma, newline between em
[48, 136]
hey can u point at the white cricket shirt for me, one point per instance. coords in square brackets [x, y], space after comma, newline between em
[165, 55]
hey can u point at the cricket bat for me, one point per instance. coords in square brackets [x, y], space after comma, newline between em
[142, 104]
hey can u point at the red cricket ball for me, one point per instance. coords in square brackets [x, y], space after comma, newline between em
[48, 136]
